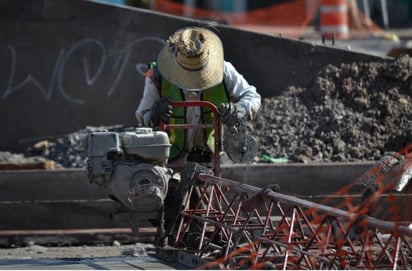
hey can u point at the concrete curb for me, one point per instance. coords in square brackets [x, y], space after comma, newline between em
[65, 199]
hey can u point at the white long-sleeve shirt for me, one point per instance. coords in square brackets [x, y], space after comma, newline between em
[240, 92]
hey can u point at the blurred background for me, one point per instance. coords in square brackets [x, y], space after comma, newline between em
[358, 19]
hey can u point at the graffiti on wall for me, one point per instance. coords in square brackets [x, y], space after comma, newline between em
[91, 70]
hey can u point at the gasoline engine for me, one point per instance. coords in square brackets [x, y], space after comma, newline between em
[132, 166]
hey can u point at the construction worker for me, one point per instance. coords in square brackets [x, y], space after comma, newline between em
[191, 66]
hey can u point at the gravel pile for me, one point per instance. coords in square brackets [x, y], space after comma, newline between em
[67, 151]
[348, 113]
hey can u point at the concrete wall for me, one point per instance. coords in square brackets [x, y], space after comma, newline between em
[66, 64]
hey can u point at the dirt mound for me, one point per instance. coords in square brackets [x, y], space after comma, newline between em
[352, 112]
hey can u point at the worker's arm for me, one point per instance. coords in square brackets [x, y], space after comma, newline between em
[150, 96]
[240, 91]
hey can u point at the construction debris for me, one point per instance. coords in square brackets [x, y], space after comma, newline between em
[67, 151]
[12, 161]
[349, 113]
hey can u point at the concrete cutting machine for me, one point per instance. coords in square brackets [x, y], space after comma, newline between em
[134, 166]
[209, 222]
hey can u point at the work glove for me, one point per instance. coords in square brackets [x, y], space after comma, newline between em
[161, 110]
[232, 114]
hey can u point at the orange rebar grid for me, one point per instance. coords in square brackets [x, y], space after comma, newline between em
[245, 227]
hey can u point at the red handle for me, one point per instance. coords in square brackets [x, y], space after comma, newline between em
[216, 126]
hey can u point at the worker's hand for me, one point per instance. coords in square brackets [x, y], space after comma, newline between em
[161, 111]
[232, 114]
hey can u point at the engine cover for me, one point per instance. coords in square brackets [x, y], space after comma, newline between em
[101, 149]
[140, 187]
[147, 144]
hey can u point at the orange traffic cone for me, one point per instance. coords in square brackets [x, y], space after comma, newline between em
[334, 19]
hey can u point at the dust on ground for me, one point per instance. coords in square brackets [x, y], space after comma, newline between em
[35, 251]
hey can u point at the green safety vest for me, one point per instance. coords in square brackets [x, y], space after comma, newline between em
[216, 95]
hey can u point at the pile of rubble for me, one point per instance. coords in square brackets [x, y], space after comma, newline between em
[348, 113]
[68, 151]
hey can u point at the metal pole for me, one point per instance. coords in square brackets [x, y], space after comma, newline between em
[366, 8]
[188, 7]
[385, 17]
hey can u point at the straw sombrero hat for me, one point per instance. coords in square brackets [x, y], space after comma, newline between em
[192, 59]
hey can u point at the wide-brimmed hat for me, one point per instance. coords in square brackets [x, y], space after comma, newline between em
[192, 59]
